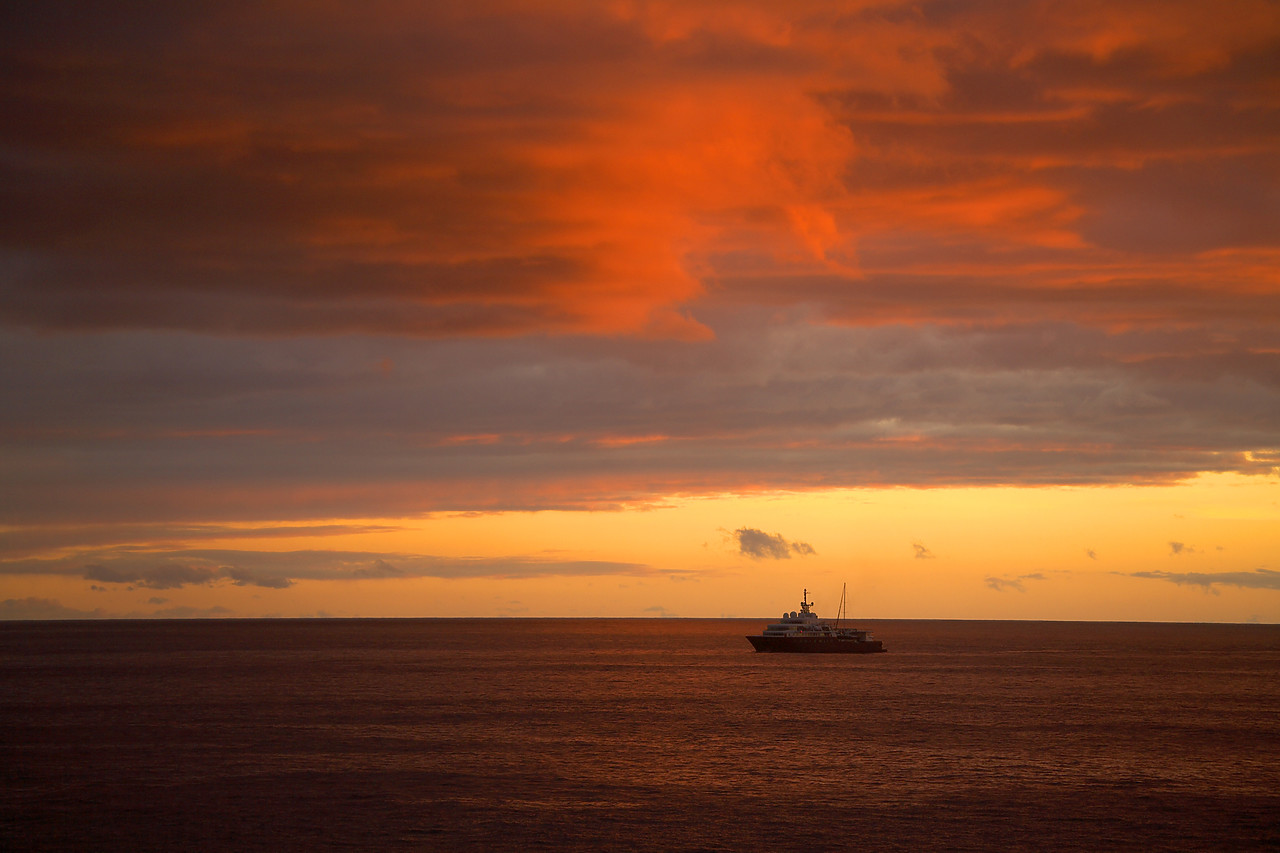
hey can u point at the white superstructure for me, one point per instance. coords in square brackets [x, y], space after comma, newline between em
[805, 623]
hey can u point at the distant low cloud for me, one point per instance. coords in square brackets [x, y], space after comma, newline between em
[48, 608]
[922, 553]
[1178, 548]
[759, 545]
[193, 612]
[43, 608]
[1001, 584]
[1256, 579]
[165, 574]
[282, 569]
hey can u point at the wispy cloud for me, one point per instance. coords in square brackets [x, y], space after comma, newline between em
[282, 569]
[187, 612]
[32, 540]
[1000, 584]
[922, 553]
[760, 545]
[1256, 579]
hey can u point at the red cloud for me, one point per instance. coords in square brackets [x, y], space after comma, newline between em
[503, 169]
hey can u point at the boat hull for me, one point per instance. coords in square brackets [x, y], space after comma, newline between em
[815, 645]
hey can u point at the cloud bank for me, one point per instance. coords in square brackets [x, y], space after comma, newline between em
[270, 266]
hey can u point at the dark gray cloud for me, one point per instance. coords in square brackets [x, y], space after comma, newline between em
[759, 545]
[1256, 579]
[176, 570]
[34, 540]
[281, 569]
[162, 574]
[187, 429]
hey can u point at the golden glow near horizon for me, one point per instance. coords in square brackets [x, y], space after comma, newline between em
[1184, 552]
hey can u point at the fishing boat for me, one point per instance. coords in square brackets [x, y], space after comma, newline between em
[802, 631]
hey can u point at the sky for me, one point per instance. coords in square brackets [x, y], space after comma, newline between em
[504, 308]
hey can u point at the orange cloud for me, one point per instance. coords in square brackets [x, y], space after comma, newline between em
[510, 168]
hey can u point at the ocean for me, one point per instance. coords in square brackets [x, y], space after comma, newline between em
[636, 735]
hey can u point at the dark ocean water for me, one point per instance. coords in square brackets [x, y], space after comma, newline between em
[636, 735]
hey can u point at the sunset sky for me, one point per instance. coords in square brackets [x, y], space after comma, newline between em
[625, 308]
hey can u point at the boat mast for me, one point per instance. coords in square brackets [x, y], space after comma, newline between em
[842, 610]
